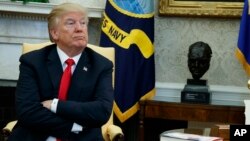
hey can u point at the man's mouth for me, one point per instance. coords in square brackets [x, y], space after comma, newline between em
[78, 37]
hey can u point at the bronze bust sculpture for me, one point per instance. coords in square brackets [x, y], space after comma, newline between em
[197, 90]
[199, 57]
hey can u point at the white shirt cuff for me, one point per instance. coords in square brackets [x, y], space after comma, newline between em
[54, 105]
[76, 128]
[50, 138]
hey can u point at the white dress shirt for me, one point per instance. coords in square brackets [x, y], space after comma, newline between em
[76, 128]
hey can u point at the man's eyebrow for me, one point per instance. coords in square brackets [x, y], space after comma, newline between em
[72, 19]
[69, 19]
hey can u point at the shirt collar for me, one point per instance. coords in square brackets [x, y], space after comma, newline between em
[63, 56]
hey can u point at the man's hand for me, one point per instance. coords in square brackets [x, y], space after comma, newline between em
[47, 104]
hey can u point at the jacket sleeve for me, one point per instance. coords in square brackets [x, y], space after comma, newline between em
[31, 113]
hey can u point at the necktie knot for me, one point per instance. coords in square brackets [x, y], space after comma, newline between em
[70, 62]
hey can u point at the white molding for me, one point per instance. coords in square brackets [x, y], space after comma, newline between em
[221, 95]
[34, 9]
[31, 7]
[218, 88]
[20, 39]
[7, 83]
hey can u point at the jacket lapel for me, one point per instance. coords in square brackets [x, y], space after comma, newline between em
[54, 67]
[79, 76]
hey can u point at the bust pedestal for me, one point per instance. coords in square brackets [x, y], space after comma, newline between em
[196, 91]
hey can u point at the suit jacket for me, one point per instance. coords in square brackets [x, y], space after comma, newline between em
[89, 101]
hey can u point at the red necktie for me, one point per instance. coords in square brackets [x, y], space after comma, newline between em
[65, 82]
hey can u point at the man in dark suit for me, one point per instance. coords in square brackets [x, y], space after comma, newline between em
[42, 115]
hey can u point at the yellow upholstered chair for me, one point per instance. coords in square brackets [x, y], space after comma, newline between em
[110, 131]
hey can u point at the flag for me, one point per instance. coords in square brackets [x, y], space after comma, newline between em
[243, 50]
[128, 26]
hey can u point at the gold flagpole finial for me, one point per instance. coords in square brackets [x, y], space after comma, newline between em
[248, 84]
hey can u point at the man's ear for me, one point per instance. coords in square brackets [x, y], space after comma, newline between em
[54, 34]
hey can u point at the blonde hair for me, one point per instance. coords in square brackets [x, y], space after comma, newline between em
[59, 10]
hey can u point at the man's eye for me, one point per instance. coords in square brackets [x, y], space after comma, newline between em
[83, 23]
[69, 23]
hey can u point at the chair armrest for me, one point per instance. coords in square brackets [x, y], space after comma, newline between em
[6, 131]
[115, 133]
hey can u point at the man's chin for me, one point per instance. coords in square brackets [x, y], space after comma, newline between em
[80, 44]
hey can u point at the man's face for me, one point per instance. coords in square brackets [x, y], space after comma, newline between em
[198, 67]
[198, 63]
[71, 31]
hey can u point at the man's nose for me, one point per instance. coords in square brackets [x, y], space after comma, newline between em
[196, 63]
[78, 26]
